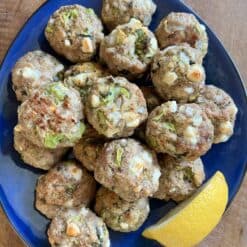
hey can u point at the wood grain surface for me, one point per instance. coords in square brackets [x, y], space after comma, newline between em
[228, 18]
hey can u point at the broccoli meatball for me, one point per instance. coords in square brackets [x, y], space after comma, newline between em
[52, 117]
[33, 70]
[117, 12]
[178, 28]
[43, 158]
[179, 179]
[88, 148]
[82, 76]
[221, 110]
[75, 32]
[183, 131]
[129, 162]
[177, 74]
[119, 214]
[115, 107]
[66, 185]
[129, 49]
[78, 227]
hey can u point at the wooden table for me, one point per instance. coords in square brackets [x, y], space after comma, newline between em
[229, 19]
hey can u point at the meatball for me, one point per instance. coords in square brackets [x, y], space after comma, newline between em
[75, 32]
[221, 110]
[129, 162]
[129, 49]
[117, 12]
[78, 227]
[88, 148]
[179, 179]
[43, 158]
[52, 117]
[178, 28]
[66, 185]
[119, 214]
[82, 76]
[183, 131]
[177, 74]
[33, 70]
[115, 107]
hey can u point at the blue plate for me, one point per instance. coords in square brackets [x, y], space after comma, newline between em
[17, 180]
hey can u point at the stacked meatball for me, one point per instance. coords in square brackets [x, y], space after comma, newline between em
[137, 143]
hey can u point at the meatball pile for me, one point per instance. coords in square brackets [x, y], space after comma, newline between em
[137, 142]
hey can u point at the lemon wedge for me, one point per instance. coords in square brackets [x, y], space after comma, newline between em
[191, 221]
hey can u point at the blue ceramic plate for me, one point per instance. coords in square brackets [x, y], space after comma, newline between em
[17, 180]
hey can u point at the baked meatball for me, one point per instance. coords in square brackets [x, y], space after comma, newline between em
[66, 185]
[88, 148]
[181, 130]
[179, 179]
[129, 49]
[75, 32]
[82, 76]
[43, 158]
[52, 117]
[178, 28]
[128, 168]
[221, 110]
[115, 107]
[119, 214]
[33, 70]
[117, 12]
[78, 227]
[177, 74]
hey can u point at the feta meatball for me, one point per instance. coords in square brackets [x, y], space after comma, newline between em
[178, 28]
[33, 70]
[221, 110]
[117, 12]
[181, 130]
[129, 49]
[75, 32]
[88, 148]
[82, 76]
[43, 158]
[66, 185]
[78, 227]
[119, 214]
[177, 74]
[115, 107]
[52, 117]
[128, 161]
[179, 179]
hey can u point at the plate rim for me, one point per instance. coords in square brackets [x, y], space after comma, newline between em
[230, 58]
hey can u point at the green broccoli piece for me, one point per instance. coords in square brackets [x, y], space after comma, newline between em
[169, 126]
[52, 140]
[58, 90]
[118, 158]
